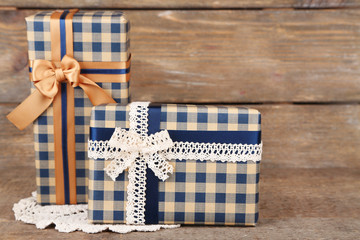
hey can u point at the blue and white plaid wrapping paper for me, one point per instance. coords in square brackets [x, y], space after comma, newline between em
[100, 36]
[198, 192]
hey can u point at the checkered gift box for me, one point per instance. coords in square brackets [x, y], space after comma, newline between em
[199, 191]
[99, 43]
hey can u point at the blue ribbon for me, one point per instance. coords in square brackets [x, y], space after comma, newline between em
[100, 71]
[64, 112]
[152, 182]
[234, 137]
[105, 71]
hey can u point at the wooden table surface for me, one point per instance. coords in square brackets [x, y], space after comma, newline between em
[297, 61]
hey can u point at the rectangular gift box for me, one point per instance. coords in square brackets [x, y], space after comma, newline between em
[99, 42]
[215, 160]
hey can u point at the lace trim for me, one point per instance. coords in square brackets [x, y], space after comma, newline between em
[138, 117]
[224, 152]
[193, 151]
[70, 218]
[135, 208]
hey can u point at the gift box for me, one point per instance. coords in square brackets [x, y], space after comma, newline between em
[77, 59]
[174, 164]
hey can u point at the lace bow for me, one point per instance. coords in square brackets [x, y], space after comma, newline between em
[126, 146]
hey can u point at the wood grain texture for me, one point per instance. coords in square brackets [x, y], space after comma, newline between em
[222, 56]
[251, 56]
[294, 204]
[310, 136]
[14, 80]
[199, 4]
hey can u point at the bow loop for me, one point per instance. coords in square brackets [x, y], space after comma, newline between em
[71, 70]
[159, 141]
[127, 141]
[126, 146]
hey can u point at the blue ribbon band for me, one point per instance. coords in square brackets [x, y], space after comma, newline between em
[100, 71]
[105, 71]
[152, 182]
[234, 137]
[63, 33]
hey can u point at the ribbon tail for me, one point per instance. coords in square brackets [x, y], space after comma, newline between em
[162, 140]
[96, 94]
[118, 165]
[29, 110]
[114, 168]
[159, 166]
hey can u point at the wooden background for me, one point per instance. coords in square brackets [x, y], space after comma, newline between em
[298, 62]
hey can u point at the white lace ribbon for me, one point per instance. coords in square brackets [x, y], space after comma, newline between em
[135, 150]
[224, 152]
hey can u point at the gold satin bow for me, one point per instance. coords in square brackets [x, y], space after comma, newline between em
[47, 77]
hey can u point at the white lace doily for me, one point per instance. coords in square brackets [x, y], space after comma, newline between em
[70, 218]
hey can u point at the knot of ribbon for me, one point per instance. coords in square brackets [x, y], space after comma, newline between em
[47, 76]
[126, 147]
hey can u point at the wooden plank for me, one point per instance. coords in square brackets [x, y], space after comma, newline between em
[285, 228]
[294, 136]
[294, 204]
[246, 56]
[222, 56]
[14, 83]
[328, 192]
[310, 136]
[186, 4]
